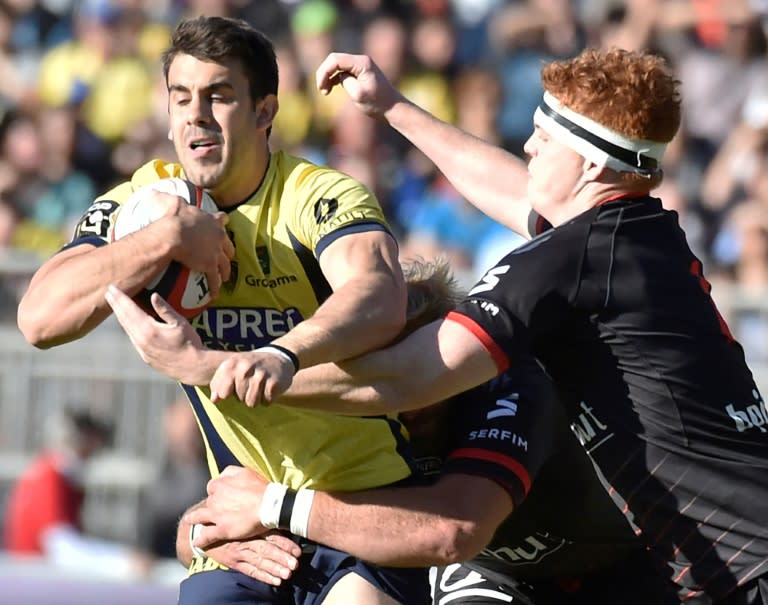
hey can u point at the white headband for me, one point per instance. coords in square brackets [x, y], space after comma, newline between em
[601, 145]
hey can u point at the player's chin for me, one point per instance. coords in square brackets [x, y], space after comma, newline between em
[203, 174]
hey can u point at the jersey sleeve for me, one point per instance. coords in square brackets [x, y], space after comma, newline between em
[527, 298]
[330, 204]
[506, 429]
[96, 224]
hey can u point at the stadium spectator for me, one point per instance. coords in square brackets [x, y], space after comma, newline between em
[179, 484]
[43, 515]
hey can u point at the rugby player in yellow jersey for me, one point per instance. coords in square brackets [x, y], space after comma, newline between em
[298, 252]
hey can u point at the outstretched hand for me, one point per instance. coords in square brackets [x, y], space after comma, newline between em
[172, 348]
[361, 78]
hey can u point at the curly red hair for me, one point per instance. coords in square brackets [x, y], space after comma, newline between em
[632, 93]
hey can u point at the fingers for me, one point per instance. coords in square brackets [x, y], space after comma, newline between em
[270, 560]
[198, 516]
[165, 311]
[222, 385]
[254, 393]
[330, 71]
[122, 305]
[210, 534]
[288, 546]
[231, 471]
[214, 280]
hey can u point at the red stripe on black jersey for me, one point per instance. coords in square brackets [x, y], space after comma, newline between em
[506, 461]
[497, 354]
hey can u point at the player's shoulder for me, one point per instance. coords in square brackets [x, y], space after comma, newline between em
[152, 171]
[303, 175]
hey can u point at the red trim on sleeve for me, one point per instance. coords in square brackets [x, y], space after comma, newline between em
[496, 353]
[506, 461]
[541, 223]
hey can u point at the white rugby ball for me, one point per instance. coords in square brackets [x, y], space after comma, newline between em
[186, 291]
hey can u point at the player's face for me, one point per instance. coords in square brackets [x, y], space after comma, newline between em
[218, 131]
[555, 173]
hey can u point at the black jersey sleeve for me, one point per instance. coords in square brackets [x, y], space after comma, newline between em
[504, 429]
[528, 296]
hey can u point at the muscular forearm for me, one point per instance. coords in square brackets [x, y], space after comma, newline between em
[409, 375]
[412, 527]
[367, 308]
[356, 319]
[65, 298]
[489, 177]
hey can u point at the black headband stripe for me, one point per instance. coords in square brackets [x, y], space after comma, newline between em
[627, 156]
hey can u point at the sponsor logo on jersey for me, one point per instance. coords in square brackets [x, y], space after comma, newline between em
[490, 280]
[753, 416]
[457, 582]
[244, 329]
[589, 430]
[532, 549]
[234, 271]
[325, 209]
[98, 220]
[499, 435]
[504, 407]
[262, 254]
[269, 282]
[200, 564]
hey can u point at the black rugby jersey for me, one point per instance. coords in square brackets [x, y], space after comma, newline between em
[513, 430]
[615, 305]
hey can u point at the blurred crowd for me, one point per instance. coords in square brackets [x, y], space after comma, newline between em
[83, 103]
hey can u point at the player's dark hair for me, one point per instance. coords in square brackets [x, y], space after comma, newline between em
[222, 38]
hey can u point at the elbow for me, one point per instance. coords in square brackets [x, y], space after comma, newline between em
[457, 540]
[37, 327]
[31, 327]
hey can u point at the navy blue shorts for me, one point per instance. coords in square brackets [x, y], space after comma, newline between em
[319, 569]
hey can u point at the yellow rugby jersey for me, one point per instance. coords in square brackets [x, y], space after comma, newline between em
[276, 282]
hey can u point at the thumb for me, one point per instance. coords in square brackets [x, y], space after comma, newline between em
[165, 311]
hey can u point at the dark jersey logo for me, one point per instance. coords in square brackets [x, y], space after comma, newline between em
[325, 210]
[263, 255]
[97, 220]
[229, 285]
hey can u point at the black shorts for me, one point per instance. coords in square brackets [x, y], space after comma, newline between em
[632, 581]
[319, 569]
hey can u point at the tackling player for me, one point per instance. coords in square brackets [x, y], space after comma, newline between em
[610, 299]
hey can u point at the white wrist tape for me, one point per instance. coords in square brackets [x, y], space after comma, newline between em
[194, 532]
[301, 510]
[281, 352]
[271, 503]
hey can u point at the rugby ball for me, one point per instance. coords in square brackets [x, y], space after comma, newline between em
[186, 291]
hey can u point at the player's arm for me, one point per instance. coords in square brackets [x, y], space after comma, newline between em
[447, 522]
[435, 362]
[367, 307]
[489, 177]
[65, 298]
